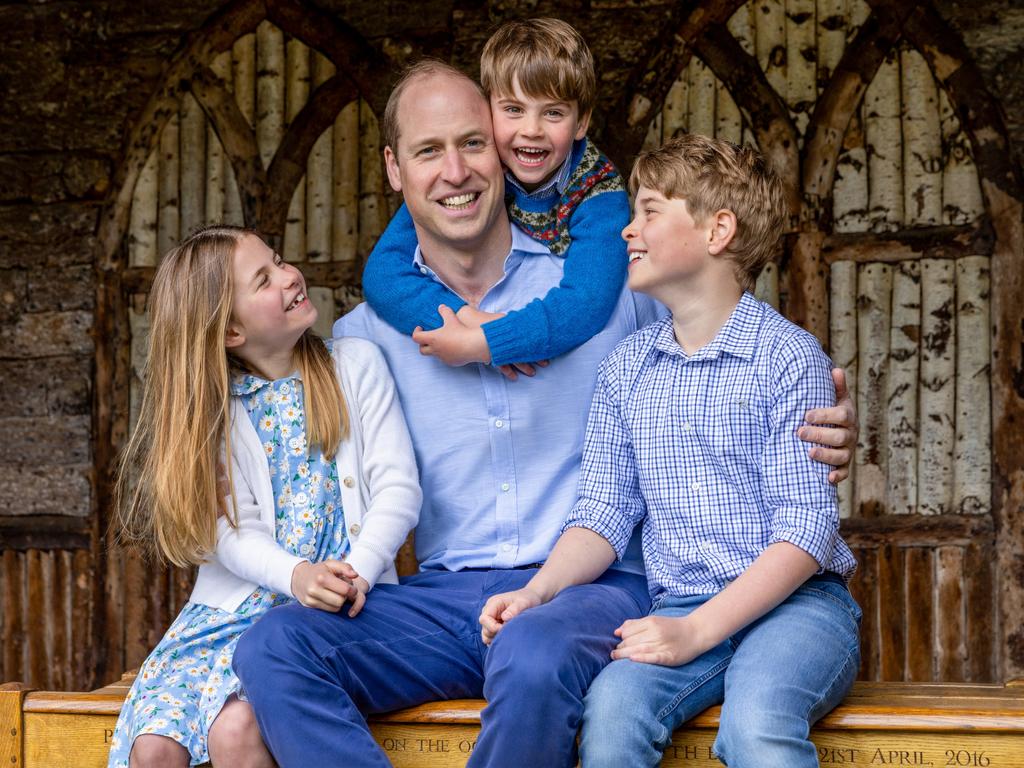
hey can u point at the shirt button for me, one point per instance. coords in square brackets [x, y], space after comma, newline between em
[354, 529]
[499, 423]
[687, 426]
[506, 547]
[505, 486]
[694, 486]
[349, 482]
[423, 270]
[706, 546]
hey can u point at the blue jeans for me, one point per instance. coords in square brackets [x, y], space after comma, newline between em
[311, 676]
[775, 678]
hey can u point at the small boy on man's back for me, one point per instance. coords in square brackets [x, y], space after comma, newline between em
[692, 433]
[539, 77]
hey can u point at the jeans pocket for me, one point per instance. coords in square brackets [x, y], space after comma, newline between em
[838, 594]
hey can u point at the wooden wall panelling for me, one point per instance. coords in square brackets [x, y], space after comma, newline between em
[980, 598]
[216, 167]
[373, 213]
[922, 141]
[874, 296]
[169, 217]
[14, 624]
[961, 192]
[891, 617]
[920, 613]
[801, 58]
[843, 349]
[972, 479]
[192, 154]
[345, 211]
[949, 625]
[319, 185]
[864, 588]
[142, 227]
[901, 464]
[296, 95]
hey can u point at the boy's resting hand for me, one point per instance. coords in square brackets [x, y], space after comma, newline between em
[835, 428]
[328, 584]
[454, 343]
[502, 608]
[666, 640]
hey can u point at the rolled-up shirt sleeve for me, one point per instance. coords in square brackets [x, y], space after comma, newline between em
[609, 500]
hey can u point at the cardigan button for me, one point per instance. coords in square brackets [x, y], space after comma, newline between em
[354, 529]
[349, 482]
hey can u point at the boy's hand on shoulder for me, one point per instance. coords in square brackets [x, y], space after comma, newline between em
[502, 608]
[666, 640]
[834, 429]
[471, 316]
[454, 343]
[327, 585]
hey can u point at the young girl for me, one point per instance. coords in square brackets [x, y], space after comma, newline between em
[323, 483]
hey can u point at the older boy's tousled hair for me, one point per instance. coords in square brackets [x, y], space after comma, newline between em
[426, 67]
[546, 56]
[711, 175]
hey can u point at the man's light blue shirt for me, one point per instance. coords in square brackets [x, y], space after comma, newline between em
[498, 459]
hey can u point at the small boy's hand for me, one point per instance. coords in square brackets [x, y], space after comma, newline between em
[327, 585]
[669, 641]
[454, 343]
[502, 608]
[474, 318]
[837, 433]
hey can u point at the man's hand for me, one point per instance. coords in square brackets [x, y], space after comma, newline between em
[502, 608]
[454, 343]
[328, 584]
[666, 640]
[511, 371]
[835, 429]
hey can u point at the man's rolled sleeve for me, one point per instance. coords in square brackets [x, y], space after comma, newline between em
[609, 501]
[801, 502]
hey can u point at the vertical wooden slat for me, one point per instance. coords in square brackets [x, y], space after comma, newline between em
[920, 613]
[902, 388]
[318, 178]
[327, 313]
[874, 290]
[701, 95]
[961, 191]
[60, 597]
[891, 623]
[82, 604]
[832, 23]
[269, 90]
[972, 488]
[169, 222]
[216, 179]
[142, 227]
[192, 152]
[728, 121]
[296, 96]
[741, 27]
[850, 189]
[653, 138]
[36, 620]
[14, 622]
[949, 624]
[674, 112]
[885, 160]
[843, 349]
[770, 37]
[979, 594]
[922, 142]
[243, 84]
[112, 603]
[864, 588]
[936, 396]
[801, 55]
[345, 227]
[372, 216]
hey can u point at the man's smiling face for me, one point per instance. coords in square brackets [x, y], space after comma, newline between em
[445, 165]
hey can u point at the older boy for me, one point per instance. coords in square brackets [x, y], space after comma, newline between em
[538, 75]
[692, 433]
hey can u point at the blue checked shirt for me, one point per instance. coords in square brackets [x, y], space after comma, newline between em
[702, 449]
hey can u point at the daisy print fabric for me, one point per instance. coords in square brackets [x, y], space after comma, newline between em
[183, 684]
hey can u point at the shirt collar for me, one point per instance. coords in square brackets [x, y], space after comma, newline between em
[243, 383]
[557, 183]
[736, 337]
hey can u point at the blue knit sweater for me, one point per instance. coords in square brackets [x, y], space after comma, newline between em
[588, 214]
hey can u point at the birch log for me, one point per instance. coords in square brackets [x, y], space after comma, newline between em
[327, 311]
[169, 221]
[142, 249]
[850, 188]
[296, 96]
[741, 27]
[674, 113]
[961, 193]
[243, 59]
[216, 176]
[653, 138]
[371, 180]
[138, 324]
[972, 491]
[832, 23]
[269, 90]
[885, 160]
[770, 38]
[874, 292]
[318, 178]
[843, 349]
[858, 11]
[922, 142]
[345, 226]
[801, 55]
[767, 286]
[937, 393]
[701, 98]
[728, 120]
[902, 390]
[192, 152]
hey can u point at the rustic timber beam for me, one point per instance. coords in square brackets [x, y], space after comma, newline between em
[1003, 192]
[648, 84]
[326, 274]
[916, 530]
[45, 532]
[943, 242]
[762, 108]
[290, 160]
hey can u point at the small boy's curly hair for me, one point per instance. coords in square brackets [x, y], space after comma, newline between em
[711, 175]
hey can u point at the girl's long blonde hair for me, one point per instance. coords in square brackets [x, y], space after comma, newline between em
[166, 490]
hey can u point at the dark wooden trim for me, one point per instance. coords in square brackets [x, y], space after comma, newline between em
[45, 532]
[943, 242]
[324, 274]
[916, 530]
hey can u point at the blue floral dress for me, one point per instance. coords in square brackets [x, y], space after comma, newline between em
[182, 686]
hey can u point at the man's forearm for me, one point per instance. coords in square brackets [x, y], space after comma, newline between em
[579, 556]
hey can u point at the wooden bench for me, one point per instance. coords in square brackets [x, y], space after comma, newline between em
[879, 724]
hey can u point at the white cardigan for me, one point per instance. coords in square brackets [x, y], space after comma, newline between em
[380, 492]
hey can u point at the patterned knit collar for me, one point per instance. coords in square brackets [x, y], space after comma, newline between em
[558, 182]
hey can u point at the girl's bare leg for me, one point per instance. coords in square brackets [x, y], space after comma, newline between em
[153, 751]
[235, 740]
